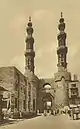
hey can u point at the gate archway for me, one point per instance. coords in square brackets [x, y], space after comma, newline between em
[47, 101]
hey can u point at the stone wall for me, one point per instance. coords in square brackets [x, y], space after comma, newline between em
[61, 87]
[20, 87]
[61, 93]
[7, 77]
[22, 90]
[33, 83]
[14, 81]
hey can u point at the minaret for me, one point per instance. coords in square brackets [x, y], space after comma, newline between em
[62, 76]
[29, 53]
[62, 49]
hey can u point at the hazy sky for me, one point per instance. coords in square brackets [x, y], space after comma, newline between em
[45, 16]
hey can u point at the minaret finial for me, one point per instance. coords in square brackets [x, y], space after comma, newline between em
[29, 18]
[61, 14]
[29, 22]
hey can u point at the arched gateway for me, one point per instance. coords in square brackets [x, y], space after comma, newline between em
[47, 102]
[47, 98]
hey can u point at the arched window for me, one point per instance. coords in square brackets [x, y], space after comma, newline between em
[47, 86]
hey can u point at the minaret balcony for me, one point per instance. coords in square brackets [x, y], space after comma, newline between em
[29, 52]
[64, 64]
[62, 50]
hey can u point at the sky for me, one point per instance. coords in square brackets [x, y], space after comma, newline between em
[45, 18]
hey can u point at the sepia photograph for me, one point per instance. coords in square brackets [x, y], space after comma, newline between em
[39, 64]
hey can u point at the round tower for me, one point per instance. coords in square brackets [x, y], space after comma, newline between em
[29, 53]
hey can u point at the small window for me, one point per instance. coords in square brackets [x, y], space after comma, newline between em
[21, 88]
[16, 87]
[24, 90]
[29, 105]
[73, 85]
[15, 102]
[33, 104]
[24, 104]
[25, 81]
[73, 92]
[73, 101]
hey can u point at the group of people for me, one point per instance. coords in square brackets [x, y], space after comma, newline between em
[56, 111]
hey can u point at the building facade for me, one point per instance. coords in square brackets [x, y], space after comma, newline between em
[74, 92]
[27, 93]
[21, 94]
